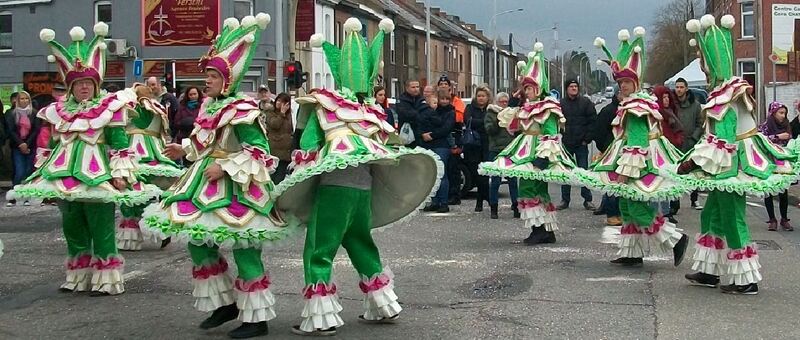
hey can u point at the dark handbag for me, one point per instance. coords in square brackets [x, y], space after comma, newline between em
[471, 138]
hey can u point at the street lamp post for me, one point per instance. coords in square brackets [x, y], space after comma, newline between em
[494, 41]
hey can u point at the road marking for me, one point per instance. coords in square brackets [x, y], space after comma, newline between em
[610, 235]
[613, 279]
[562, 249]
[134, 274]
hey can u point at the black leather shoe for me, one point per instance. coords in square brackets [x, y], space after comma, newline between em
[679, 250]
[589, 206]
[166, 242]
[479, 205]
[493, 211]
[628, 261]
[249, 330]
[563, 206]
[703, 279]
[220, 316]
[751, 289]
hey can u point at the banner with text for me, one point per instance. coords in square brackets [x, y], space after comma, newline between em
[180, 22]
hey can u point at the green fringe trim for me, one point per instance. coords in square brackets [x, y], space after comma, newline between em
[628, 191]
[221, 235]
[772, 185]
[547, 175]
[160, 170]
[333, 162]
[129, 198]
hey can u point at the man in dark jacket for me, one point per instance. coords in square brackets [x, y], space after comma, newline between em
[603, 136]
[580, 114]
[168, 100]
[691, 117]
[410, 105]
[434, 130]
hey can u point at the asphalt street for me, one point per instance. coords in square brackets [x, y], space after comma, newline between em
[459, 276]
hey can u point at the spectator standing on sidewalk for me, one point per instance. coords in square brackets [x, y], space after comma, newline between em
[688, 112]
[435, 128]
[498, 139]
[603, 136]
[673, 130]
[187, 113]
[457, 145]
[279, 134]
[383, 101]
[166, 99]
[478, 150]
[410, 107]
[580, 114]
[22, 127]
[779, 132]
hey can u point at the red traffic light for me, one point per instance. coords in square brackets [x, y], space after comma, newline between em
[290, 68]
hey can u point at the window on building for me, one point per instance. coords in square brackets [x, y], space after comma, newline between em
[461, 62]
[102, 12]
[747, 70]
[242, 8]
[364, 28]
[5, 31]
[748, 26]
[338, 32]
[327, 28]
[413, 54]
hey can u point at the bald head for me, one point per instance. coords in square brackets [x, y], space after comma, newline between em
[154, 85]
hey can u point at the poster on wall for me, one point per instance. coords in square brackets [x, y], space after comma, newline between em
[180, 22]
[784, 17]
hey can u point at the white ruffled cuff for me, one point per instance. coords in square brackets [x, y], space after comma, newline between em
[42, 154]
[321, 310]
[213, 288]
[536, 213]
[129, 236]
[630, 241]
[380, 301]
[709, 255]
[255, 300]
[189, 149]
[250, 164]
[549, 147]
[664, 233]
[713, 155]
[123, 164]
[79, 272]
[107, 276]
[302, 159]
[743, 266]
[632, 161]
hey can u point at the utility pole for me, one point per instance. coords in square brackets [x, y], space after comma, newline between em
[279, 46]
[428, 41]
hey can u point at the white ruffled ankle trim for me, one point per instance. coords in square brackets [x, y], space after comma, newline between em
[108, 281]
[213, 292]
[630, 245]
[709, 255]
[535, 213]
[129, 239]
[380, 301]
[78, 280]
[255, 300]
[664, 233]
[743, 266]
[321, 311]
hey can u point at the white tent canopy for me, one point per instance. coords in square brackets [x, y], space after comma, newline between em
[693, 74]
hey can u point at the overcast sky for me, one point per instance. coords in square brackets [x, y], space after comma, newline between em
[579, 20]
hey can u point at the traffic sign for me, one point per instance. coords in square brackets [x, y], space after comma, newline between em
[774, 58]
[138, 65]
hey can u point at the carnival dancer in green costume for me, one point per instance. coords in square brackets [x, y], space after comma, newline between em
[89, 167]
[148, 131]
[347, 181]
[630, 167]
[225, 199]
[536, 156]
[732, 160]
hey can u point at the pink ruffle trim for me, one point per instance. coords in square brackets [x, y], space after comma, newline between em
[204, 272]
[112, 262]
[379, 281]
[129, 223]
[80, 262]
[741, 254]
[319, 289]
[710, 241]
[261, 283]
